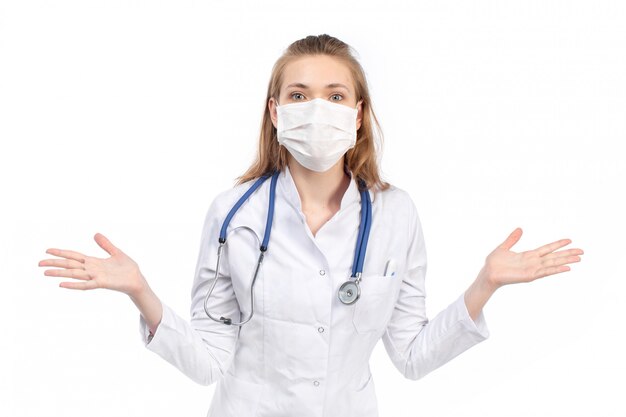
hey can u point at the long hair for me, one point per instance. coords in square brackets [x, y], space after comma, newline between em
[361, 159]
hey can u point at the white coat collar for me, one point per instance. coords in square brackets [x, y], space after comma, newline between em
[288, 187]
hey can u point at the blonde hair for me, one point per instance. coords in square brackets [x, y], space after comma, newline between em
[361, 159]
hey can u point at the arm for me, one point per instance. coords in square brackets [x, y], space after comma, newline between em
[418, 346]
[477, 295]
[149, 306]
[415, 344]
[200, 348]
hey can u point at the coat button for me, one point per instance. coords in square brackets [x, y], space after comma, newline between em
[316, 383]
[320, 329]
[322, 272]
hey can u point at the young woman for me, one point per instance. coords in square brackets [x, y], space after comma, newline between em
[293, 315]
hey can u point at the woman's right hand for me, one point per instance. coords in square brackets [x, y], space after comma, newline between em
[118, 272]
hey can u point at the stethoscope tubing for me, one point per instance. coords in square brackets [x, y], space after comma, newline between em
[364, 231]
[359, 255]
[262, 249]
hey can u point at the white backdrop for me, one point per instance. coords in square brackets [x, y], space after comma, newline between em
[127, 118]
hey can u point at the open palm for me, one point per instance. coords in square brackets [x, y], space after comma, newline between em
[504, 266]
[118, 272]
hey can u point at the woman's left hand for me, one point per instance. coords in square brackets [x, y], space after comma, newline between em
[504, 266]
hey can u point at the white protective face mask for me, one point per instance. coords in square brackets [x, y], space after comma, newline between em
[316, 132]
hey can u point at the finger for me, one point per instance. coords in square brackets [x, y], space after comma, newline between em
[551, 270]
[69, 254]
[68, 273]
[62, 263]
[561, 260]
[105, 244]
[566, 252]
[512, 239]
[551, 247]
[87, 285]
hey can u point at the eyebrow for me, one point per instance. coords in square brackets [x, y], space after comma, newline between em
[331, 85]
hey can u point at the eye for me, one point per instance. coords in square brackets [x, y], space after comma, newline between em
[337, 95]
[296, 94]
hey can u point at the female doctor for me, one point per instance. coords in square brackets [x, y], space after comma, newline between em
[309, 260]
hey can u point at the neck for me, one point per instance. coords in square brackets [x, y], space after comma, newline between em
[319, 190]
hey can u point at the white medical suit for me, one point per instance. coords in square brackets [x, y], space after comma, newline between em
[304, 353]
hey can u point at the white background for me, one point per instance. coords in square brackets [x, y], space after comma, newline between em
[127, 118]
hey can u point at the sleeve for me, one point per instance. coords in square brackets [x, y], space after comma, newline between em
[200, 348]
[416, 345]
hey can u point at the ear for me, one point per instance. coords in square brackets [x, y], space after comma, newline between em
[359, 115]
[271, 104]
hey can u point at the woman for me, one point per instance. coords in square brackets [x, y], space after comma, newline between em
[305, 350]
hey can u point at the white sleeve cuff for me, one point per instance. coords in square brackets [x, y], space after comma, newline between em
[478, 327]
[149, 340]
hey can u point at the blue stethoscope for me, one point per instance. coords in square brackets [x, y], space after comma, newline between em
[349, 291]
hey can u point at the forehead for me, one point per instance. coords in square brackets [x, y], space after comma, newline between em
[316, 71]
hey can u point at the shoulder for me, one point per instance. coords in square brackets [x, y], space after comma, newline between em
[221, 203]
[397, 211]
[396, 201]
[230, 196]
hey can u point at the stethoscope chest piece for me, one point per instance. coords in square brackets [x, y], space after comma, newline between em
[349, 292]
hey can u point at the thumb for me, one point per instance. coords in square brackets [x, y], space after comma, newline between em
[105, 244]
[512, 239]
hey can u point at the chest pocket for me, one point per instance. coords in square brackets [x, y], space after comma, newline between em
[374, 307]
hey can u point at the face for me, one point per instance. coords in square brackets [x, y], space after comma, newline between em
[318, 76]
